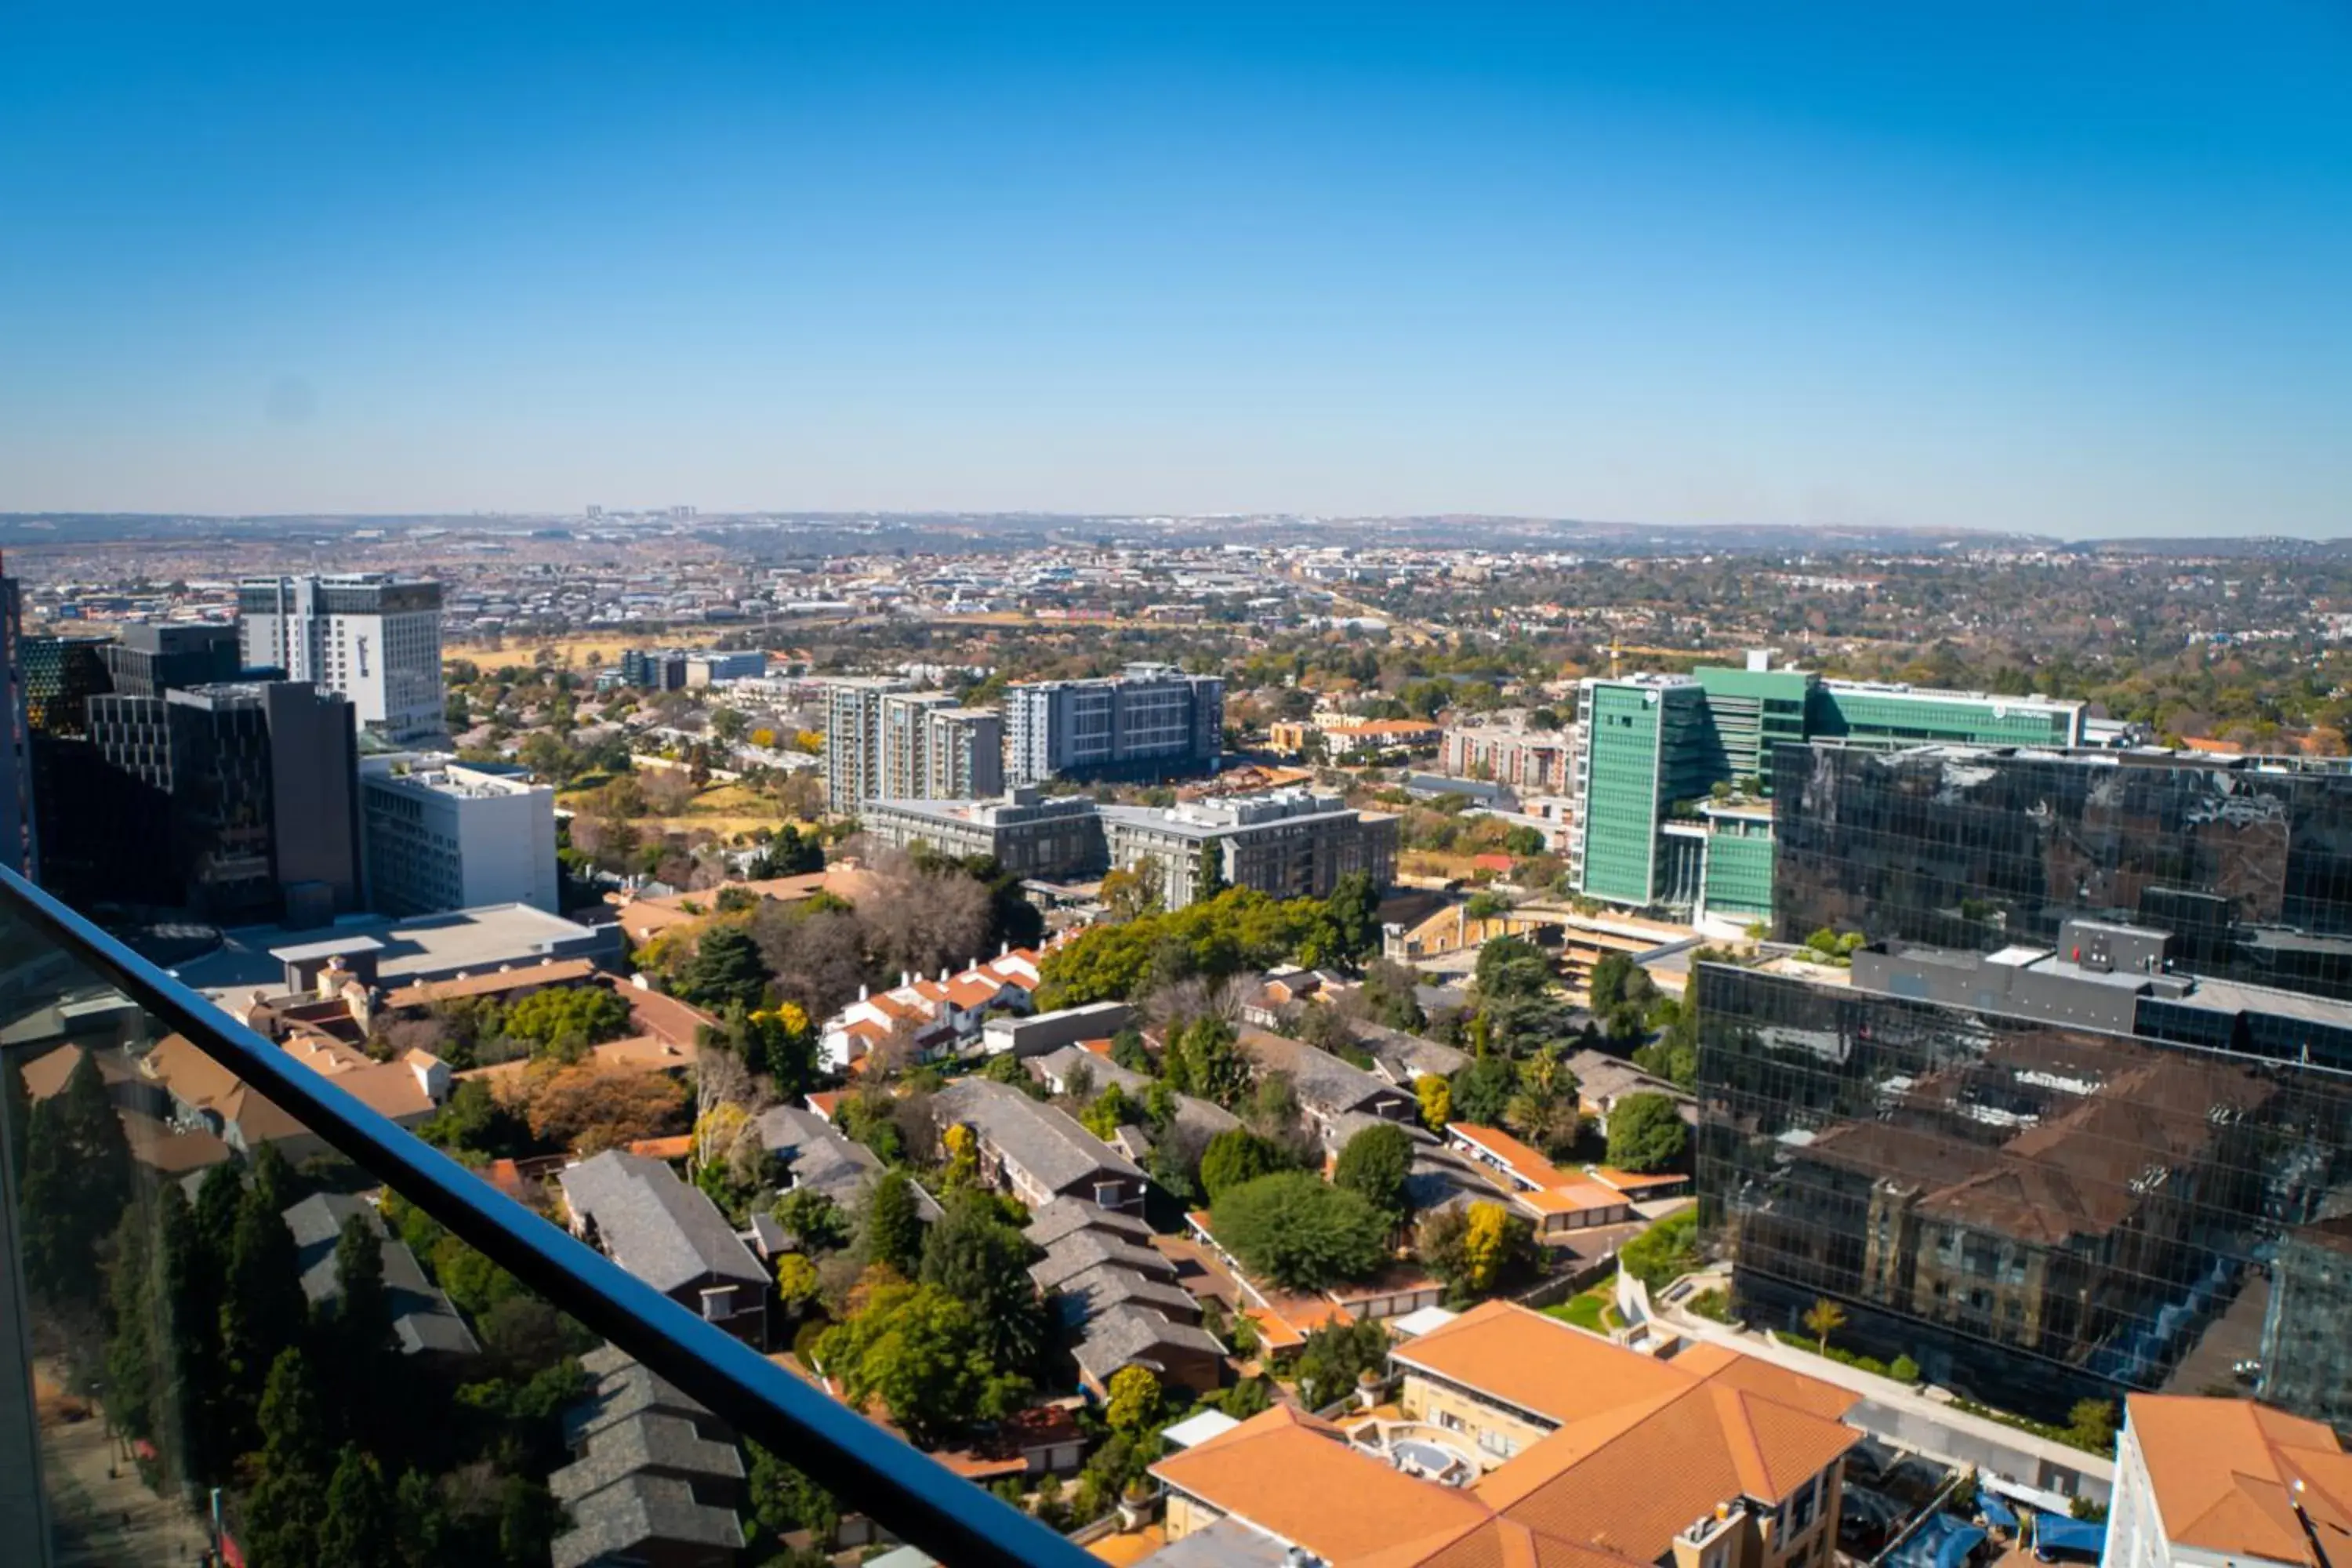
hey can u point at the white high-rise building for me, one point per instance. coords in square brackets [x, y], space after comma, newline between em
[371, 636]
[442, 834]
[1151, 721]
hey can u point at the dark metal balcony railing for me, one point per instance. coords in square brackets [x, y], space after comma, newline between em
[55, 968]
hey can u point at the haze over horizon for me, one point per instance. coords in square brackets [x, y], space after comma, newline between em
[1966, 267]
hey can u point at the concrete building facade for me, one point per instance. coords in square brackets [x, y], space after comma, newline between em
[1153, 721]
[441, 835]
[1289, 843]
[369, 637]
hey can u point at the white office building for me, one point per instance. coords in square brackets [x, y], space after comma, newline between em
[444, 835]
[369, 637]
[853, 737]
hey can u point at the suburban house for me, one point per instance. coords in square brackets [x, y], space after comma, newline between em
[203, 1093]
[670, 1235]
[1038, 1152]
[654, 1478]
[940, 1018]
[1328, 1089]
[426, 1326]
[1107, 1286]
[1602, 1080]
[1059, 1069]
[2201, 1481]
[1521, 1439]
[817, 1155]
[1553, 1200]
[1404, 1059]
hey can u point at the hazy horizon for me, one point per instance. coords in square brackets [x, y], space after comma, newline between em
[1980, 268]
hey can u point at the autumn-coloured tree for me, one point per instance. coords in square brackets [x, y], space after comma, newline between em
[588, 1109]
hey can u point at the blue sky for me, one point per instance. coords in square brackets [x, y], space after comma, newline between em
[2076, 269]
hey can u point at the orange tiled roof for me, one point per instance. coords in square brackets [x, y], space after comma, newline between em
[1524, 1162]
[1297, 1477]
[2224, 1471]
[673, 1148]
[1631, 1181]
[554, 972]
[1572, 1197]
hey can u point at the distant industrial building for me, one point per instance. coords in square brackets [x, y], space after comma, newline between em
[369, 637]
[1290, 842]
[1666, 770]
[1030, 834]
[442, 834]
[1151, 721]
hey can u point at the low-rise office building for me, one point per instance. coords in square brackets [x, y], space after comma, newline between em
[444, 835]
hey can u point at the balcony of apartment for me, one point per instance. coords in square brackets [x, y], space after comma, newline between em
[367, 1353]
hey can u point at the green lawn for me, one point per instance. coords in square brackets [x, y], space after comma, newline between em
[1592, 1310]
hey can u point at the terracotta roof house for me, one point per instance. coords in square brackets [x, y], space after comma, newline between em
[1553, 1200]
[2203, 1481]
[946, 1015]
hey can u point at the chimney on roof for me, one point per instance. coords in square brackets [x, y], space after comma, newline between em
[906, 977]
[943, 974]
[861, 990]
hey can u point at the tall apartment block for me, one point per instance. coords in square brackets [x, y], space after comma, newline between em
[444, 835]
[853, 737]
[369, 637]
[237, 800]
[1650, 752]
[932, 748]
[1150, 722]
[2078, 1120]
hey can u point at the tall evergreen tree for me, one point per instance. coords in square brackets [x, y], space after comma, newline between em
[187, 1287]
[262, 1311]
[77, 1182]
[975, 1256]
[892, 1226]
[288, 1503]
[133, 1342]
[357, 1529]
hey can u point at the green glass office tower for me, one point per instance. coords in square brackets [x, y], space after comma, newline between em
[1652, 749]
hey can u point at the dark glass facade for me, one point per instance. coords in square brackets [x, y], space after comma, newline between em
[2032, 1213]
[2250, 871]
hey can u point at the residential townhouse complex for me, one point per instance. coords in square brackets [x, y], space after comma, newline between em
[1289, 843]
[1517, 1438]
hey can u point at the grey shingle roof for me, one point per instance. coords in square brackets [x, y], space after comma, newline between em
[624, 1393]
[422, 1316]
[1074, 1255]
[1126, 1335]
[1228, 1543]
[1325, 1084]
[817, 1153]
[1094, 1291]
[1406, 1057]
[1068, 1217]
[639, 1509]
[648, 1442]
[665, 1232]
[1047, 1142]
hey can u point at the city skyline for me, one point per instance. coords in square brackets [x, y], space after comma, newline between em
[1967, 269]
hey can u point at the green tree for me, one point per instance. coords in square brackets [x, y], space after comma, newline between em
[1299, 1232]
[1209, 873]
[891, 1232]
[1544, 1107]
[1237, 1156]
[1374, 1166]
[725, 971]
[77, 1182]
[978, 1258]
[1335, 1356]
[815, 1220]
[1512, 966]
[1206, 1061]
[1665, 1252]
[1110, 1111]
[1480, 1090]
[784, 1500]
[2092, 1425]
[1347, 929]
[1646, 1132]
[133, 1350]
[262, 1309]
[918, 1351]
[288, 1504]
[797, 1284]
[357, 1530]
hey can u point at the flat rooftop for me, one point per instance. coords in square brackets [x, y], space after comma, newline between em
[424, 947]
